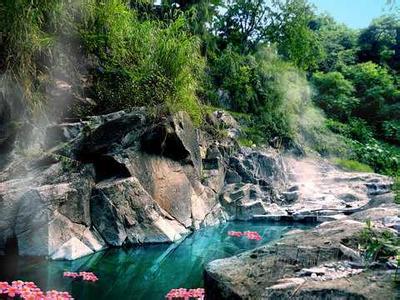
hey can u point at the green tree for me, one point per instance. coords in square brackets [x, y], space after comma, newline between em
[246, 24]
[243, 24]
[338, 42]
[290, 29]
[334, 94]
[380, 42]
[374, 87]
[199, 15]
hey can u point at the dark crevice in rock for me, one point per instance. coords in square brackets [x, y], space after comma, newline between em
[9, 259]
[11, 246]
[159, 141]
[174, 148]
[106, 167]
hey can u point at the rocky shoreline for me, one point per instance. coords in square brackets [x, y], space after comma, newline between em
[314, 264]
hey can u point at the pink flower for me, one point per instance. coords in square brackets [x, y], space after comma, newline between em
[185, 294]
[71, 274]
[252, 235]
[235, 233]
[88, 276]
[29, 291]
[4, 287]
[12, 291]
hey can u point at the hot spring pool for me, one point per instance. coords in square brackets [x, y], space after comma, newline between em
[147, 272]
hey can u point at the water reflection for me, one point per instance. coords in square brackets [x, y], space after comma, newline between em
[147, 272]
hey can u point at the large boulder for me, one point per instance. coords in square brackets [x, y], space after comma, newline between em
[244, 201]
[166, 182]
[107, 181]
[254, 183]
[47, 208]
[257, 166]
[124, 213]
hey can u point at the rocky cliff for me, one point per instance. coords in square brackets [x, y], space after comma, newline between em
[126, 179]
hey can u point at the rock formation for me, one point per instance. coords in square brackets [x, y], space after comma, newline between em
[128, 179]
[107, 181]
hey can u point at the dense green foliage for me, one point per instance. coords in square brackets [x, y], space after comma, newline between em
[29, 31]
[142, 63]
[294, 79]
[253, 85]
[357, 85]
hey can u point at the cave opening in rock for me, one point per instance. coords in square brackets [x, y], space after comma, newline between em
[9, 261]
[11, 246]
[106, 167]
[160, 141]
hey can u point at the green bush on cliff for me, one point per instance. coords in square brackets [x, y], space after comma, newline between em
[377, 244]
[274, 93]
[30, 30]
[143, 63]
[151, 63]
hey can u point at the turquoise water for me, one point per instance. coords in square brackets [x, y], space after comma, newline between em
[144, 272]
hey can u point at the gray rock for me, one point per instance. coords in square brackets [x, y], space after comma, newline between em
[123, 212]
[226, 120]
[290, 196]
[174, 138]
[270, 272]
[72, 250]
[232, 177]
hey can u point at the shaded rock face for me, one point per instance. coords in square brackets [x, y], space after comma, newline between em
[175, 138]
[108, 180]
[124, 213]
[254, 182]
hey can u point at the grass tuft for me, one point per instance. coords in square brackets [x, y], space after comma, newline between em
[352, 165]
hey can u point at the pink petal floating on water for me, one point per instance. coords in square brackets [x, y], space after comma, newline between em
[29, 291]
[251, 235]
[186, 294]
[235, 233]
[87, 276]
